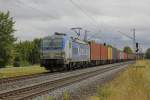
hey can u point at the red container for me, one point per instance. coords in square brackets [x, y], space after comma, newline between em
[125, 56]
[94, 51]
[103, 53]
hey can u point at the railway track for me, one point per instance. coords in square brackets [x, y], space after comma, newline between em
[36, 89]
[19, 78]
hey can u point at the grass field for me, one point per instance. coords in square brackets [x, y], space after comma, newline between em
[132, 84]
[19, 71]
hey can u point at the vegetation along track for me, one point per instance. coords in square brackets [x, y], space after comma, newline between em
[33, 90]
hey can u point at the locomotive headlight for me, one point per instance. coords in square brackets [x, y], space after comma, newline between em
[57, 54]
[60, 54]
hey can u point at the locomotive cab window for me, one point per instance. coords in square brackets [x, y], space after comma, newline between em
[56, 43]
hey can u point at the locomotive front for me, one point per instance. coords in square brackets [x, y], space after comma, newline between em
[53, 51]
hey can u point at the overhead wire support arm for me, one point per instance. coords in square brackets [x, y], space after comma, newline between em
[132, 38]
[126, 35]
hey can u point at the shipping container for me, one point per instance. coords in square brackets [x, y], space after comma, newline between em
[121, 55]
[94, 51]
[118, 55]
[114, 54]
[109, 53]
[103, 52]
[125, 56]
[128, 56]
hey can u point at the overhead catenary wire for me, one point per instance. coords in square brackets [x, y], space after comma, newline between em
[132, 38]
[138, 40]
[33, 7]
[18, 2]
[87, 14]
[83, 10]
[90, 17]
[126, 35]
[75, 4]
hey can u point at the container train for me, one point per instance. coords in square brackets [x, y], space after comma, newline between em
[60, 51]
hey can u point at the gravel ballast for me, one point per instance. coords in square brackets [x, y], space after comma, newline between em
[83, 89]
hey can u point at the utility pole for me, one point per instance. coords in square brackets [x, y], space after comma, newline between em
[134, 41]
[135, 45]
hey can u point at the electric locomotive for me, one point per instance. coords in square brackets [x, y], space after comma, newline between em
[60, 51]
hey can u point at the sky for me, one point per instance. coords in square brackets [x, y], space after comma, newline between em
[104, 19]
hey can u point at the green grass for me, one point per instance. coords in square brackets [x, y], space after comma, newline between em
[19, 71]
[132, 84]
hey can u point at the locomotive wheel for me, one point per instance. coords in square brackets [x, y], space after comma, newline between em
[68, 67]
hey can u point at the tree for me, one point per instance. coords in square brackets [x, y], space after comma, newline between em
[28, 51]
[23, 50]
[148, 53]
[127, 49]
[17, 61]
[36, 51]
[34, 57]
[6, 38]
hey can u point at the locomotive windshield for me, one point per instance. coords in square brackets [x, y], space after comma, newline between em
[56, 43]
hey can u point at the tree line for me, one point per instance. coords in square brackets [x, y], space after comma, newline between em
[27, 53]
[13, 52]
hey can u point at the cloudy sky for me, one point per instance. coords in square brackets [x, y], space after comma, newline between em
[103, 18]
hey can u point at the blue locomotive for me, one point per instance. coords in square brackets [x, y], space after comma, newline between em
[60, 51]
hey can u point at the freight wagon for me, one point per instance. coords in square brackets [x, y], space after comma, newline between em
[60, 52]
[98, 53]
[109, 60]
[95, 52]
[103, 54]
[114, 55]
[118, 56]
[121, 56]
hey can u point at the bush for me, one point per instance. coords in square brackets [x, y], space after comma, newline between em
[148, 53]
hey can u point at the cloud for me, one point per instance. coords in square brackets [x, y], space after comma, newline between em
[39, 18]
